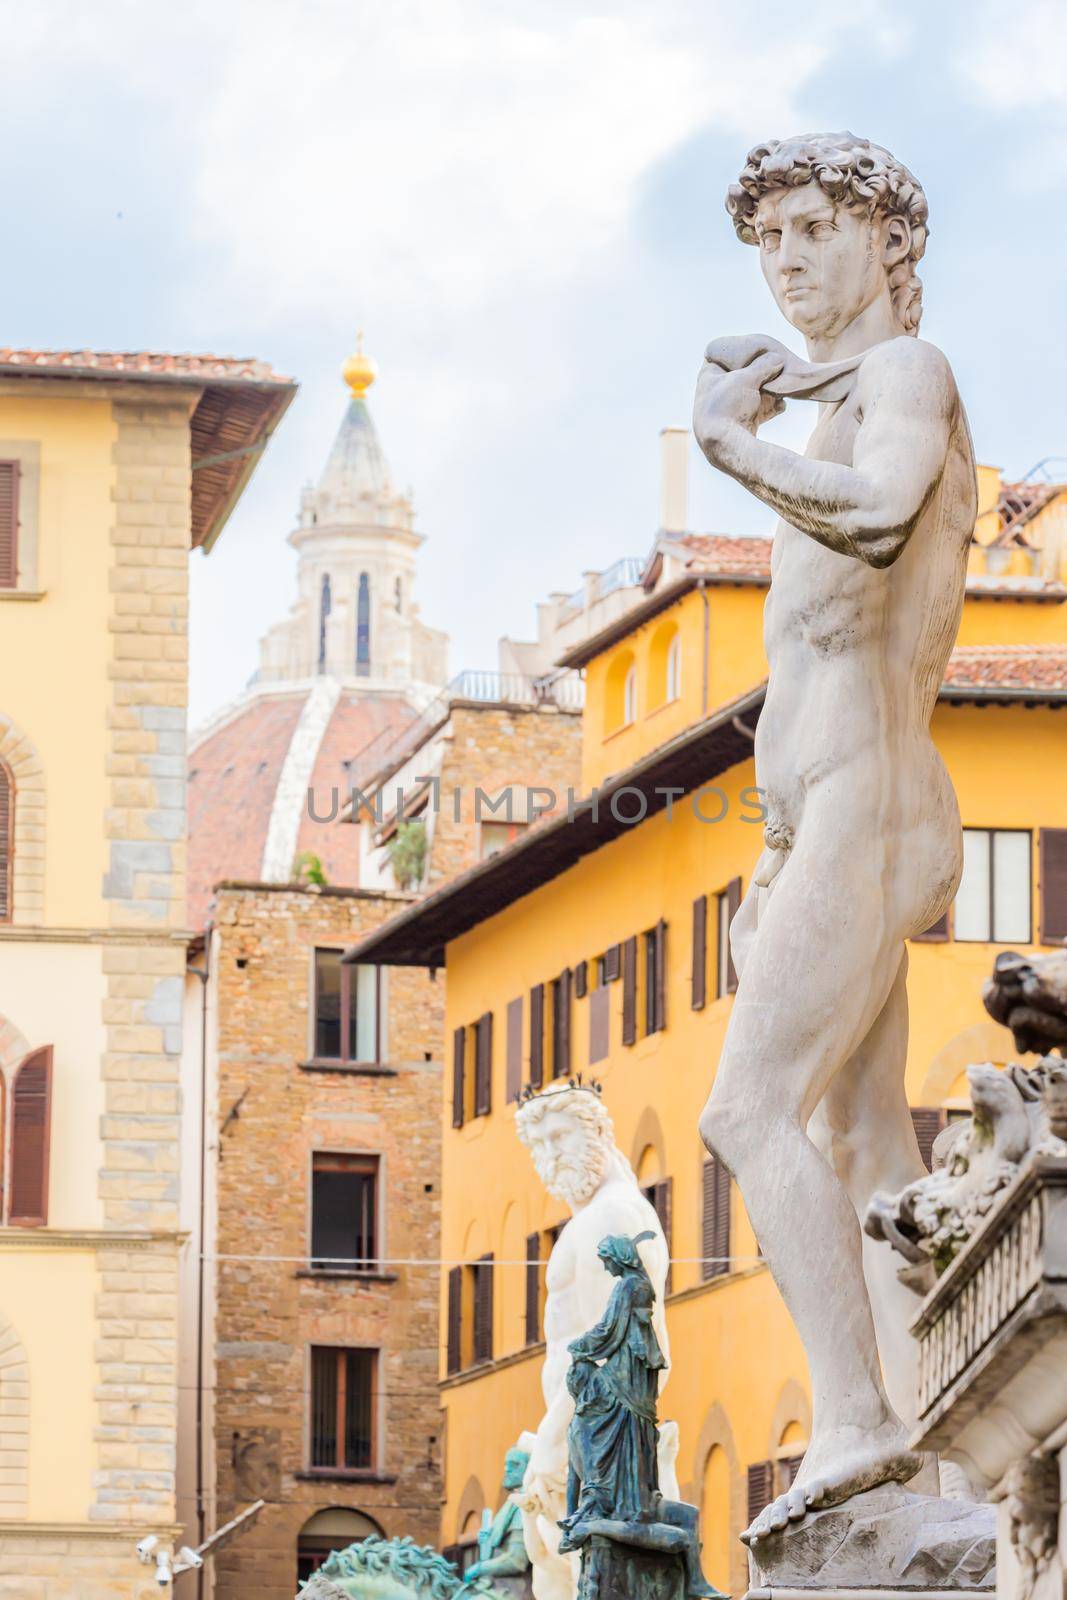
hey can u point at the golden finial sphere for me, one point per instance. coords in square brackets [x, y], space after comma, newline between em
[359, 371]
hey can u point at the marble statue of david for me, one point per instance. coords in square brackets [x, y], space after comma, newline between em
[862, 841]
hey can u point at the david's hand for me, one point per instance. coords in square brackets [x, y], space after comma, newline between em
[731, 399]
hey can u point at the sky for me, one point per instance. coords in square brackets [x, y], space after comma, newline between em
[522, 206]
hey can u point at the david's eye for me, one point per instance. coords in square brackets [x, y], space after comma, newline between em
[770, 241]
[821, 230]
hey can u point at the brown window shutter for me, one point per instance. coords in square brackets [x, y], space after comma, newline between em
[533, 1288]
[927, 1122]
[659, 1017]
[700, 952]
[1052, 867]
[483, 1308]
[514, 1059]
[31, 1109]
[660, 1195]
[599, 1024]
[537, 1035]
[936, 933]
[612, 963]
[483, 1065]
[459, 1085]
[733, 902]
[454, 1351]
[760, 1487]
[788, 1467]
[715, 1221]
[629, 991]
[581, 980]
[7, 840]
[561, 1025]
[9, 524]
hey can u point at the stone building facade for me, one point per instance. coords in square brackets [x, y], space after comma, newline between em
[101, 502]
[480, 775]
[286, 1117]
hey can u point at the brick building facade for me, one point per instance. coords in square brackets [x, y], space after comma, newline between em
[323, 1160]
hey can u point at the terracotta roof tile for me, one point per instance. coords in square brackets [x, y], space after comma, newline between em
[723, 553]
[142, 364]
[1009, 666]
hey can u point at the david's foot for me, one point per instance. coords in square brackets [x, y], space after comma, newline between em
[847, 1462]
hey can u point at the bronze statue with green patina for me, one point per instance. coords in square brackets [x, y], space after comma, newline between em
[502, 1557]
[631, 1539]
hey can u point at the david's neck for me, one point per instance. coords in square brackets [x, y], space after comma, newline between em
[874, 325]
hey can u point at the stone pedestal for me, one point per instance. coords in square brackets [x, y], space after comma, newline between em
[885, 1541]
[993, 1375]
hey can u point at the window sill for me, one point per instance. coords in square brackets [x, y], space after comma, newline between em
[616, 733]
[347, 1274]
[354, 1069]
[344, 1475]
[482, 1369]
[22, 594]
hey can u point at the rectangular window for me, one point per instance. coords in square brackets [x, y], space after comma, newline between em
[496, 836]
[344, 1211]
[533, 1288]
[454, 1325]
[459, 1077]
[482, 1349]
[599, 1024]
[699, 976]
[342, 1409]
[629, 991]
[9, 523]
[655, 941]
[992, 903]
[609, 965]
[715, 1220]
[658, 1196]
[347, 1010]
[726, 904]
[561, 1025]
[1053, 871]
[513, 1084]
[483, 1065]
[537, 1035]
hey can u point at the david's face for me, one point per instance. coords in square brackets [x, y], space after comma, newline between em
[824, 264]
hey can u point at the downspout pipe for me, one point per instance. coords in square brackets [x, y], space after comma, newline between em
[203, 973]
[702, 585]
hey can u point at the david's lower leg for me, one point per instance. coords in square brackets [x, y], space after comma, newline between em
[811, 1240]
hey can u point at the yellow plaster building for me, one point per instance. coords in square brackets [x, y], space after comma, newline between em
[112, 467]
[597, 944]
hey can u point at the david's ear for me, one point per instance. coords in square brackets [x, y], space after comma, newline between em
[896, 240]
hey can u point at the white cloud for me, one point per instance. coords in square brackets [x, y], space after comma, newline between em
[1015, 53]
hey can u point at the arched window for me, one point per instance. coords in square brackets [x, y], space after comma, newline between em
[674, 668]
[629, 697]
[398, 590]
[620, 692]
[363, 627]
[7, 839]
[324, 612]
[334, 1528]
[31, 1106]
[664, 665]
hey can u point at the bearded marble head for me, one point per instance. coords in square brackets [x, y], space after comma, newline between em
[570, 1137]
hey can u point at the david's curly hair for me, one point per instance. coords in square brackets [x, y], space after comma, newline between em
[853, 172]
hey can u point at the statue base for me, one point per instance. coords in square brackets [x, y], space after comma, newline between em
[614, 1568]
[887, 1540]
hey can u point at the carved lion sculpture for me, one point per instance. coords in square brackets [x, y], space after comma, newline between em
[1028, 994]
[934, 1217]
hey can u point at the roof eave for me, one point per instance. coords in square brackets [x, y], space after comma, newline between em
[285, 396]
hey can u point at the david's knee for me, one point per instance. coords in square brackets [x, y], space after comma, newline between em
[725, 1129]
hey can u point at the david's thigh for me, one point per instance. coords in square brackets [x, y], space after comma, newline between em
[817, 973]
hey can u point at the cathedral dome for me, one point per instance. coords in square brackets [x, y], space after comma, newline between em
[351, 660]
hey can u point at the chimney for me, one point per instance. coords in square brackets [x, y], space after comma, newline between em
[674, 480]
